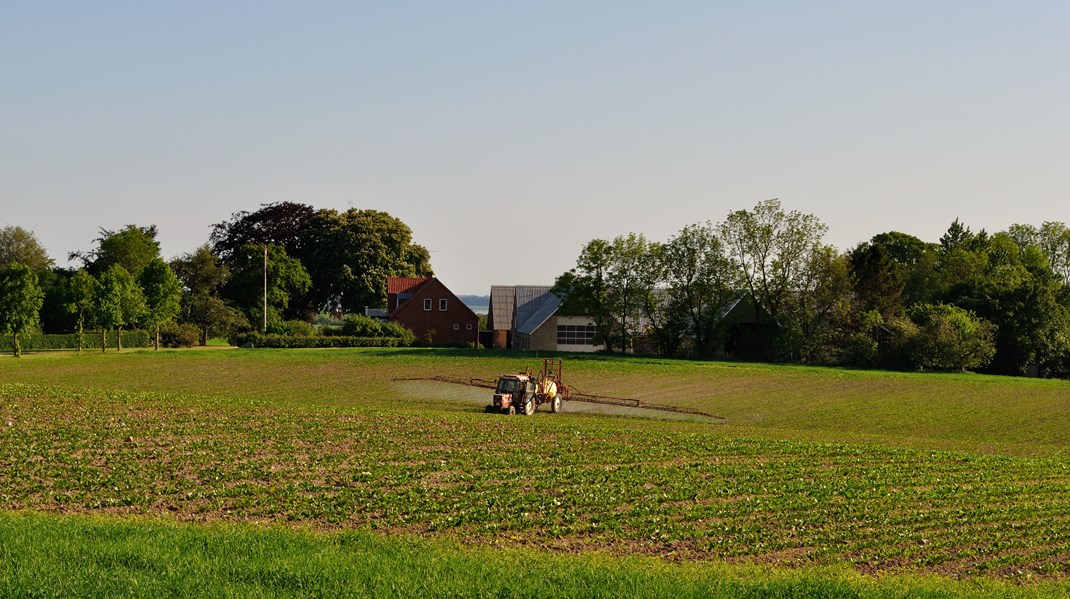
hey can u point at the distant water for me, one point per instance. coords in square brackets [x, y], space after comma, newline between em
[478, 308]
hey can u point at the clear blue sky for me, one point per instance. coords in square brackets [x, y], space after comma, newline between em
[508, 134]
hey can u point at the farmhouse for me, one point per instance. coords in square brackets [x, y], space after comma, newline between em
[526, 317]
[430, 310]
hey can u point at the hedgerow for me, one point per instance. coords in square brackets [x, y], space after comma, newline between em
[296, 341]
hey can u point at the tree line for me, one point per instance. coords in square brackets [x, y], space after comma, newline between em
[996, 302]
[317, 261]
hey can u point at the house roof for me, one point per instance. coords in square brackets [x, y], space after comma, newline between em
[501, 307]
[534, 305]
[398, 285]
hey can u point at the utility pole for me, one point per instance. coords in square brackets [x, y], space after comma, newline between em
[265, 288]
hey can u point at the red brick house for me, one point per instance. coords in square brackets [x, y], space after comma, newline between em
[431, 311]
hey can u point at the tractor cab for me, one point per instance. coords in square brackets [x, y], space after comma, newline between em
[513, 391]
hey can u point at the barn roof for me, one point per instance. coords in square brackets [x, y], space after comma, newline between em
[534, 305]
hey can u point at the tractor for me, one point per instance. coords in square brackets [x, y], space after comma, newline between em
[525, 392]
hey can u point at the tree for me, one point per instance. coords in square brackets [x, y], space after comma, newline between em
[629, 283]
[131, 247]
[584, 289]
[878, 281]
[21, 246]
[350, 254]
[82, 291]
[203, 278]
[118, 303]
[950, 338]
[286, 277]
[701, 281]
[163, 295]
[20, 302]
[282, 223]
[772, 248]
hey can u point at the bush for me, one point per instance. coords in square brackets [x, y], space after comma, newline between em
[179, 335]
[950, 338]
[298, 328]
[358, 325]
[293, 341]
[90, 340]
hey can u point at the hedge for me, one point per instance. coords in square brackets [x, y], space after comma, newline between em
[90, 340]
[296, 341]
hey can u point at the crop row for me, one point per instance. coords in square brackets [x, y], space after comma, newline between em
[564, 482]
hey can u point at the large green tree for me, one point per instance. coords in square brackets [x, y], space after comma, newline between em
[585, 289]
[286, 278]
[82, 290]
[20, 301]
[163, 296]
[284, 224]
[701, 281]
[131, 247]
[203, 277]
[21, 246]
[773, 248]
[349, 256]
[119, 302]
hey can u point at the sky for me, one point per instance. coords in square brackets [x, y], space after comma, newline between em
[509, 134]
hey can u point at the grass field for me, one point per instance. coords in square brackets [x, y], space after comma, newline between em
[877, 476]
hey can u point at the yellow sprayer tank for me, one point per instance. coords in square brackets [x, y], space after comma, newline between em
[549, 388]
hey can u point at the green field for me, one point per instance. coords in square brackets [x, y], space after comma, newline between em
[824, 482]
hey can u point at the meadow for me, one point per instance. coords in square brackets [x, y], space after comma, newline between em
[819, 482]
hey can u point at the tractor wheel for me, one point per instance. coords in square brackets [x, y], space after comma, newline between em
[555, 405]
[528, 407]
[512, 411]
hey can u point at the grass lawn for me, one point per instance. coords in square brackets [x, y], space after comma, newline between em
[850, 482]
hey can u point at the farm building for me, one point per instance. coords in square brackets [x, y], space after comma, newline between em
[526, 317]
[430, 310]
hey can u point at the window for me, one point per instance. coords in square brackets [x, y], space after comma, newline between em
[468, 327]
[442, 305]
[427, 305]
[456, 327]
[576, 334]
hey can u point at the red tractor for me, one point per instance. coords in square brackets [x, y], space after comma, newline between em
[525, 392]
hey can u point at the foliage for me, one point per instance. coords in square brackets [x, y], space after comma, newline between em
[131, 247]
[20, 302]
[350, 254]
[878, 279]
[701, 281]
[118, 302]
[17, 245]
[773, 249]
[950, 338]
[295, 328]
[82, 291]
[585, 289]
[37, 341]
[261, 340]
[173, 334]
[163, 294]
[286, 277]
[280, 223]
[203, 277]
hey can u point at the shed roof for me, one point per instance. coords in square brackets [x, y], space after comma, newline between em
[500, 317]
